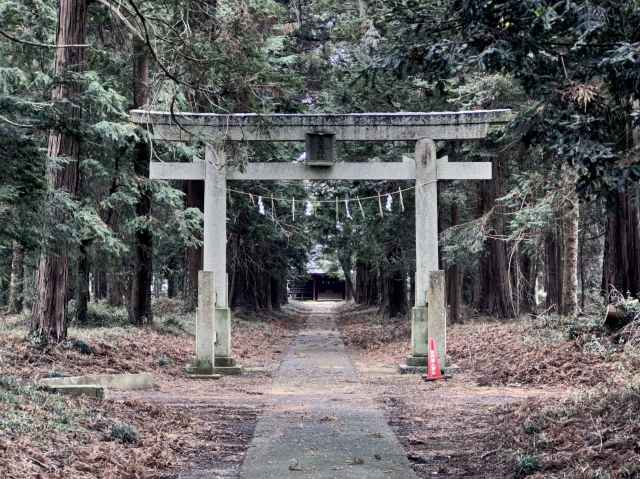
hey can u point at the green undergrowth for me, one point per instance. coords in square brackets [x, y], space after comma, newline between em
[28, 409]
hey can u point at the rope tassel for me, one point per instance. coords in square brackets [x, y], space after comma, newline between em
[380, 206]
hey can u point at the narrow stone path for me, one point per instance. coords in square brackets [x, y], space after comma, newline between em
[320, 423]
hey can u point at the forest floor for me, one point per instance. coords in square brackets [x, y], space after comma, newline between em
[183, 428]
[536, 398]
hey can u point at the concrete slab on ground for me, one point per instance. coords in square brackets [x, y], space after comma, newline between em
[125, 382]
[320, 423]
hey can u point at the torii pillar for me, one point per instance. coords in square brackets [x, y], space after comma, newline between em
[429, 315]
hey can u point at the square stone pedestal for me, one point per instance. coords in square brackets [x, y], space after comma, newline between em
[417, 362]
[224, 363]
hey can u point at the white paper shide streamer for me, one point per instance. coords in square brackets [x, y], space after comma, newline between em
[389, 203]
[261, 206]
[308, 208]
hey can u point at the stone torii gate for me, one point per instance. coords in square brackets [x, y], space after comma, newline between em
[319, 131]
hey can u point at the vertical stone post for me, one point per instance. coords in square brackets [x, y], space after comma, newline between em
[205, 329]
[215, 253]
[426, 247]
[437, 314]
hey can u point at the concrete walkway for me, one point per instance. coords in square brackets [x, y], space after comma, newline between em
[320, 423]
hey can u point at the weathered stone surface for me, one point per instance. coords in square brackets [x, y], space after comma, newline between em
[228, 370]
[90, 390]
[223, 334]
[346, 127]
[407, 369]
[419, 324]
[437, 314]
[126, 382]
[397, 170]
[205, 321]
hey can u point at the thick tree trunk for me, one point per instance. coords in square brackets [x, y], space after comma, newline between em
[16, 285]
[494, 296]
[194, 197]
[172, 285]
[570, 224]
[99, 285]
[621, 267]
[48, 317]
[140, 300]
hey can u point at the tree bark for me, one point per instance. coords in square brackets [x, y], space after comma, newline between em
[16, 285]
[621, 267]
[194, 197]
[552, 271]
[140, 312]
[82, 280]
[570, 223]
[454, 277]
[494, 296]
[48, 318]
[345, 264]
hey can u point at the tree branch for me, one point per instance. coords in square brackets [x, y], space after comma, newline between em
[37, 44]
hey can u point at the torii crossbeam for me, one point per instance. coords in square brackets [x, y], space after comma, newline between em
[429, 314]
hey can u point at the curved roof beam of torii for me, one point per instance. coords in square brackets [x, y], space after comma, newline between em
[208, 127]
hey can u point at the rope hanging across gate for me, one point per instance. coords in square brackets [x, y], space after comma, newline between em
[310, 205]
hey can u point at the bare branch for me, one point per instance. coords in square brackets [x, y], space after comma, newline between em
[37, 44]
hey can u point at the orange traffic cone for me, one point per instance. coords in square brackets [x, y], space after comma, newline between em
[434, 371]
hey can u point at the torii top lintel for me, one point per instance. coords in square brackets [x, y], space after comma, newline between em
[185, 127]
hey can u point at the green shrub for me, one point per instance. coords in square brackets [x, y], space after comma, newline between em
[164, 361]
[101, 315]
[527, 465]
[124, 433]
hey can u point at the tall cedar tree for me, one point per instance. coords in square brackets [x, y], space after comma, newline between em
[48, 318]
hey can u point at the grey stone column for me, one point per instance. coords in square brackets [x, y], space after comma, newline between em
[205, 329]
[215, 254]
[426, 249]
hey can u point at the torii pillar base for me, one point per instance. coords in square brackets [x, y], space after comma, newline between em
[224, 363]
[417, 362]
[428, 322]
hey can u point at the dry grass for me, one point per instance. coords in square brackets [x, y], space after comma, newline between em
[541, 398]
[45, 435]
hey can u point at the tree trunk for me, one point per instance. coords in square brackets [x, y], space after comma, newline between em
[345, 264]
[454, 277]
[82, 288]
[570, 224]
[552, 271]
[621, 267]
[140, 300]
[16, 286]
[48, 319]
[99, 285]
[194, 196]
[494, 290]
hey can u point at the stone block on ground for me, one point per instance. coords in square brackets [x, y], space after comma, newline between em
[125, 382]
[89, 390]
